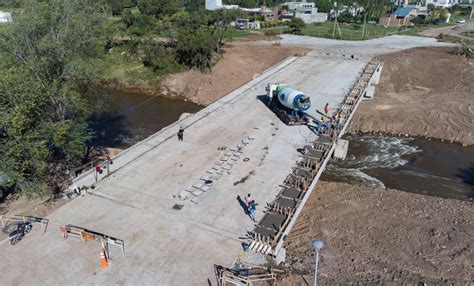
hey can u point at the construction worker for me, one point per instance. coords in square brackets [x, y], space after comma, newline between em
[248, 200]
[253, 211]
[180, 133]
[326, 109]
[321, 124]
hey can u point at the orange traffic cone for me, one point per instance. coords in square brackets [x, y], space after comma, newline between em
[63, 231]
[103, 259]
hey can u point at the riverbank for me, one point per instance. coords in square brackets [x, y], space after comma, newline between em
[373, 235]
[425, 92]
[242, 60]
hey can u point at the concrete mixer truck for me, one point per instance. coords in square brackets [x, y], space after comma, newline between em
[289, 104]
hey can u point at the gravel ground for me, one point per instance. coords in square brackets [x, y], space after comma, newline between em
[426, 92]
[381, 236]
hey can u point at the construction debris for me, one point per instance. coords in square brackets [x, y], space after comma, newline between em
[245, 275]
[88, 235]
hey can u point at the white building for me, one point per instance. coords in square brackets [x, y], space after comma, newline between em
[299, 5]
[311, 16]
[5, 17]
[217, 4]
[442, 3]
[213, 4]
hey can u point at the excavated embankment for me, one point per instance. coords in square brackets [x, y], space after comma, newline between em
[425, 92]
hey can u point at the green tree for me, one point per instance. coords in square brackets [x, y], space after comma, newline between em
[296, 25]
[219, 23]
[158, 8]
[196, 49]
[117, 6]
[11, 3]
[45, 57]
[159, 58]
[324, 6]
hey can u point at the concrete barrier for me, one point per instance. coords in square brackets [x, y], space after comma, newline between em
[370, 92]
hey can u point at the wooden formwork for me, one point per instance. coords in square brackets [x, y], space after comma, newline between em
[309, 165]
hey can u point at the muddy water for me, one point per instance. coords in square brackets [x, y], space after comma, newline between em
[124, 118]
[413, 165]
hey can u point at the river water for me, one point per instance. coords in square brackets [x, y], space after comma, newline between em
[414, 165]
[126, 118]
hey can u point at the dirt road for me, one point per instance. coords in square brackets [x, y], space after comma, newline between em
[242, 61]
[382, 236]
[456, 30]
[425, 92]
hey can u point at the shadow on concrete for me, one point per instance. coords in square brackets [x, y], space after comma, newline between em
[243, 204]
[217, 272]
[264, 99]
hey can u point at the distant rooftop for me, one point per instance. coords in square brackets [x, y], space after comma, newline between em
[403, 12]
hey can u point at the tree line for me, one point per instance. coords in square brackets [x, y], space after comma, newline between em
[52, 53]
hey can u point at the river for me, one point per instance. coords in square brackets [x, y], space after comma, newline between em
[126, 118]
[414, 165]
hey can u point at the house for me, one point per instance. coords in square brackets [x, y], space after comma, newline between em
[442, 3]
[269, 14]
[299, 5]
[243, 24]
[311, 16]
[217, 4]
[5, 17]
[401, 17]
[306, 11]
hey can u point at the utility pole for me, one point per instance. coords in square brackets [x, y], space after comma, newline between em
[363, 27]
[335, 19]
[336, 24]
[317, 245]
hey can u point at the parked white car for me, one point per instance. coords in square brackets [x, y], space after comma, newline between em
[461, 21]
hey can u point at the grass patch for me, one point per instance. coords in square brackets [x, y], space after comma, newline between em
[120, 67]
[234, 33]
[348, 31]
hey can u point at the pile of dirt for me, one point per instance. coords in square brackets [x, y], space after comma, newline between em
[426, 92]
[241, 62]
[381, 236]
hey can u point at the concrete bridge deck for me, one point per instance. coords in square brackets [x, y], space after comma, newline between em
[164, 246]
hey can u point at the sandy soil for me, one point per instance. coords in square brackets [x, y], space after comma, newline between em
[241, 62]
[425, 92]
[381, 236]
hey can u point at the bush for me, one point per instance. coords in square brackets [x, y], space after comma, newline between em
[117, 6]
[272, 32]
[195, 50]
[159, 58]
[158, 8]
[296, 25]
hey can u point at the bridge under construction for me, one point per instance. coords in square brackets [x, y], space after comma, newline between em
[173, 206]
